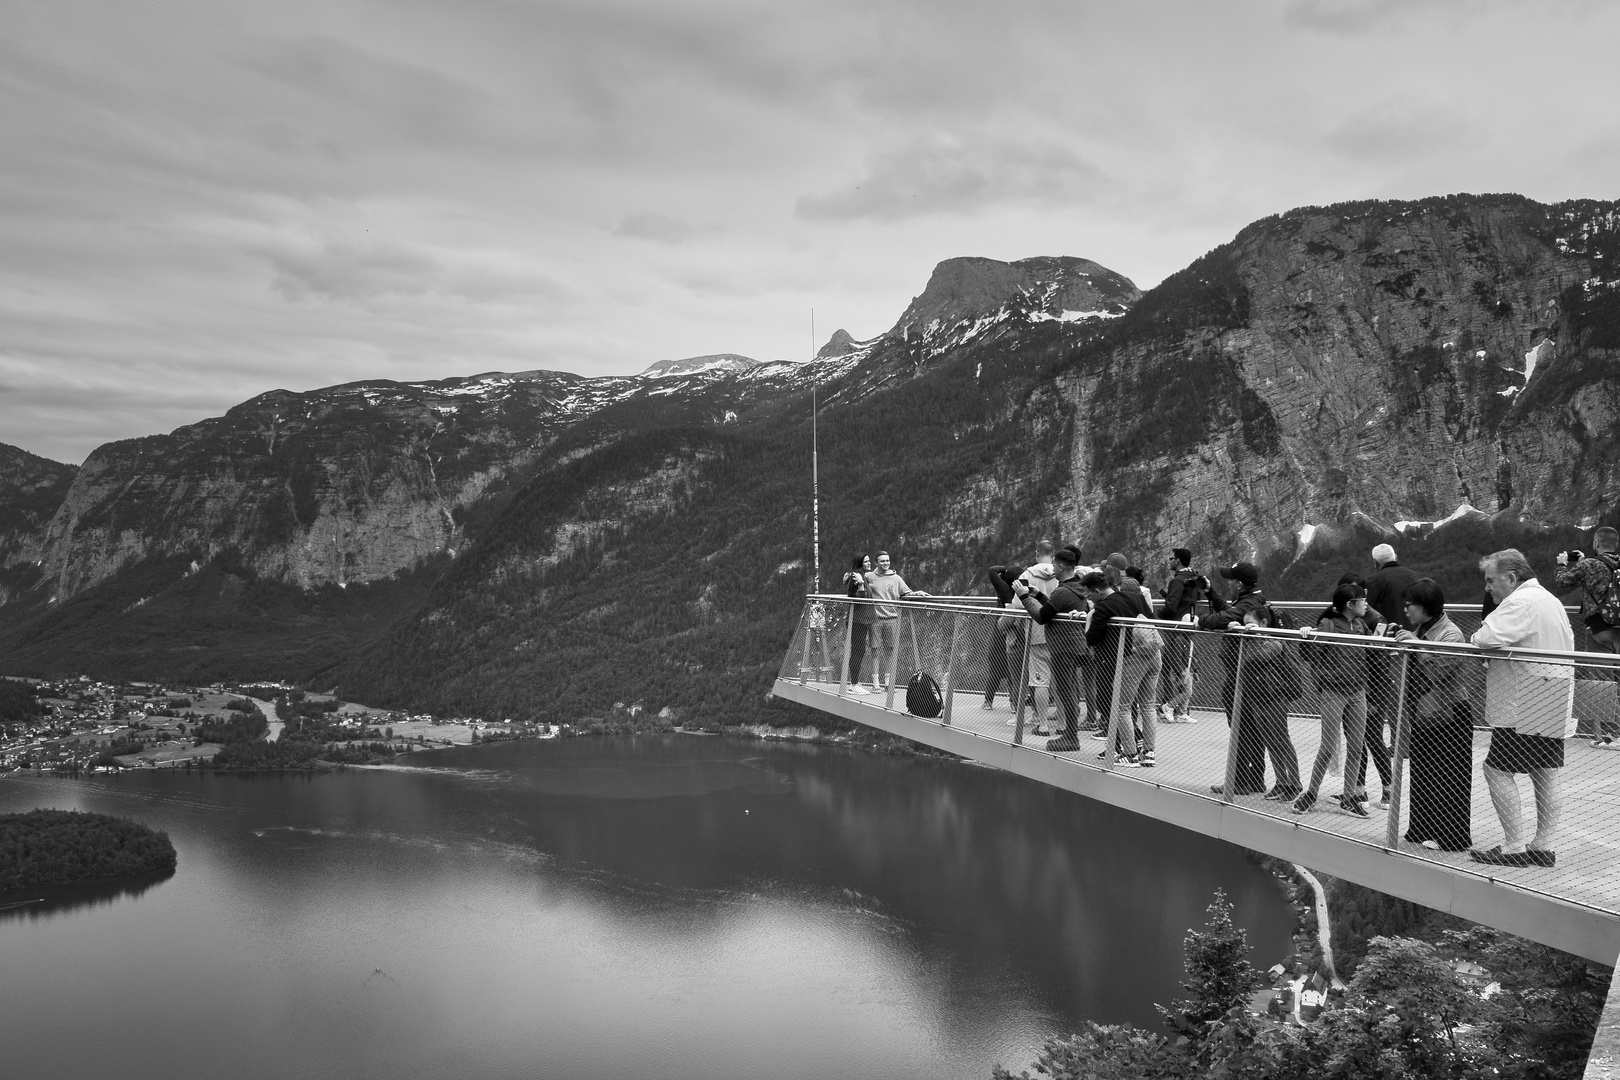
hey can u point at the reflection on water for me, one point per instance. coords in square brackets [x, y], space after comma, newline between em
[653, 906]
[42, 901]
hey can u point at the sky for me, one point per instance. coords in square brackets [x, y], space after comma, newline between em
[202, 200]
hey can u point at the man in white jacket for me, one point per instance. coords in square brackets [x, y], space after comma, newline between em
[1528, 705]
[1040, 578]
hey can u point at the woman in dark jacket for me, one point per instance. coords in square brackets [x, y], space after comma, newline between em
[1442, 737]
[1341, 690]
[860, 621]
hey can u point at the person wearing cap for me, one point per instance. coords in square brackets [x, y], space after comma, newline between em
[1250, 778]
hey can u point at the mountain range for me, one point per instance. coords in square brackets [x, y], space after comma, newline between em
[1441, 373]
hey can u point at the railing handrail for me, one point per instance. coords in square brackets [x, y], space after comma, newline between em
[953, 604]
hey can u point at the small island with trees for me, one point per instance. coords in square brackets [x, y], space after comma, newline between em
[67, 847]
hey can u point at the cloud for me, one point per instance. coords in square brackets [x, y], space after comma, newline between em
[1402, 131]
[1345, 17]
[950, 176]
[662, 229]
[363, 271]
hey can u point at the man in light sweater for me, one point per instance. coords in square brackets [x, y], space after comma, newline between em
[1528, 705]
[885, 586]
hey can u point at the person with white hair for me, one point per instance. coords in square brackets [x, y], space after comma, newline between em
[1528, 706]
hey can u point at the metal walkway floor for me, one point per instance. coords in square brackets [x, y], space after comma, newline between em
[1569, 907]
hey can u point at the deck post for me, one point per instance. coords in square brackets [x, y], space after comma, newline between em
[804, 659]
[950, 668]
[1113, 697]
[1398, 737]
[894, 661]
[847, 677]
[1019, 691]
[1233, 724]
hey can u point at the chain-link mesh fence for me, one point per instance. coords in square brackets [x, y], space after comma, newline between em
[1491, 761]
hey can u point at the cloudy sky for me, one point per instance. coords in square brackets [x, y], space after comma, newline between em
[201, 200]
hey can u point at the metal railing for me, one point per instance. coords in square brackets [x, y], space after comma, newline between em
[1379, 741]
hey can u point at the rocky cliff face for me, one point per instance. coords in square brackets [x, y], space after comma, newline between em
[31, 490]
[355, 483]
[1392, 361]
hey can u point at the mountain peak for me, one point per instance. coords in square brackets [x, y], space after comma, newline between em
[842, 343]
[694, 364]
[968, 287]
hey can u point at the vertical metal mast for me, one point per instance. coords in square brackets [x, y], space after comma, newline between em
[815, 459]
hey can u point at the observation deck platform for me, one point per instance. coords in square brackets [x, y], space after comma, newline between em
[1573, 905]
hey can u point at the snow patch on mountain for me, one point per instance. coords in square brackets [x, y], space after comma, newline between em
[1423, 528]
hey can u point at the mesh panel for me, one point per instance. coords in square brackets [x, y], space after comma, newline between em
[1315, 715]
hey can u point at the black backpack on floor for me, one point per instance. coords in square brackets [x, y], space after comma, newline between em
[923, 697]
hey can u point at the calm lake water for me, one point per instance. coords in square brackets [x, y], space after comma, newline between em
[648, 907]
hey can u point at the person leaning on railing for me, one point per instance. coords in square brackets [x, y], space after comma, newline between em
[885, 586]
[1341, 693]
[1527, 704]
[1002, 653]
[1065, 637]
[1442, 730]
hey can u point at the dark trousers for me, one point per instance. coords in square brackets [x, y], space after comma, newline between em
[857, 649]
[1097, 687]
[1066, 687]
[996, 661]
[1270, 719]
[1442, 775]
[1380, 710]
[1376, 750]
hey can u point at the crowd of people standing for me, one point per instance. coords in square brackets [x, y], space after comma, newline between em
[1076, 678]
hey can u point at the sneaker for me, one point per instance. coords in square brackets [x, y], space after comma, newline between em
[1164, 715]
[1012, 721]
[1432, 845]
[1276, 793]
[1043, 730]
[1186, 718]
[1603, 741]
[1147, 759]
[1541, 856]
[1303, 804]
[1062, 745]
[988, 706]
[1099, 734]
[1131, 762]
[1352, 806]
[859, 689]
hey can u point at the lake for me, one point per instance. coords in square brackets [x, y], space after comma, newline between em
[657, 906]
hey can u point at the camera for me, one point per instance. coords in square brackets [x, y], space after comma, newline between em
[1570, 557]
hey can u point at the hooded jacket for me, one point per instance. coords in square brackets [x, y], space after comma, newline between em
[1040, 578]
